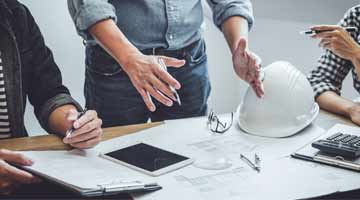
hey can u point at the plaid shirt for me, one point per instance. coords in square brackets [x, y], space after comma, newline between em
[332, 69]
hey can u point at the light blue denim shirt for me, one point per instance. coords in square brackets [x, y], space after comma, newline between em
[170, 24]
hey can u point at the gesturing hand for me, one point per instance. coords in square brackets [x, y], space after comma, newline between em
[247, 67]
[11, 176]
[149, 78]
[337, 40]
[87, 132]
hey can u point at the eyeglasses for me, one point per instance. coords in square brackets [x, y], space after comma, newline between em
[216, 126]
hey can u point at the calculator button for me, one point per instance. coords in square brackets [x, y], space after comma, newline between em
[357, 144]
[357, 139]
[334, 136]
[340, 138]
[349, 139]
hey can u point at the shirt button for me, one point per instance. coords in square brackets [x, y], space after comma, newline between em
[171, 36]
[171, 8]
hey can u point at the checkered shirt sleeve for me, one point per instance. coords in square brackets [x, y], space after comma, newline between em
[332, 69]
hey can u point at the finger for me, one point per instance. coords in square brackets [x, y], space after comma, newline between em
[87, 117]
[15, 157]
[16, 174]
[324, 41]
[325, 27]
[72, 115]
[327, 46]
[167, 78]
[159, 96]
[326, 34]
[242, 46]
[147, 99]
[88, 127]
[87, 144]
[172, 62]
[84, 136]
[253, 68]
[162, 87]
[254, 88]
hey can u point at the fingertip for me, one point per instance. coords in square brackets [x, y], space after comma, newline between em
[76, 124]
[177, 86]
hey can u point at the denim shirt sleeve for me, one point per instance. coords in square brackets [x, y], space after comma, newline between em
[86, 13]
[224, 9]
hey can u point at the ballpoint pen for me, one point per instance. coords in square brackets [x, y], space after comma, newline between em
[173, 90]
[314, 32]
[70, 131]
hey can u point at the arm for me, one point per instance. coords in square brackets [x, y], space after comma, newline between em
[54, 107]
[342, 53]
[234, 29]
[334, 103]
[144, 71]
[234, 17]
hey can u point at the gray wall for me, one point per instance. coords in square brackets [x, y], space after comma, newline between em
[274, 37]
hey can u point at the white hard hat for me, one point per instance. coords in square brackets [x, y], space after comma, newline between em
[287, 107]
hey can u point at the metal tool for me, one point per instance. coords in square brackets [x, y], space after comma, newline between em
[173, 90]
[255, 166]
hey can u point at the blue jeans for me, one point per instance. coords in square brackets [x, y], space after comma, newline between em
[110, 92]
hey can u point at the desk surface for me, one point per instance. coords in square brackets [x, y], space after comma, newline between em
[51, 142]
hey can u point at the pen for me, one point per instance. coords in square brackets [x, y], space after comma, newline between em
[70, 131]
[161, 62]
[314, 32]
[255, 167]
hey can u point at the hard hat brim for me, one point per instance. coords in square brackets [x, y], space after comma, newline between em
[286, 132]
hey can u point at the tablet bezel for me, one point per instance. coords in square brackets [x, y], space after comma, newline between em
[159, 172]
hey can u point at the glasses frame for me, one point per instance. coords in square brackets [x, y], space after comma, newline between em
[220, 127]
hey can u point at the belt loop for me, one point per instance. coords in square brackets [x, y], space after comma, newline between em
[153, 51]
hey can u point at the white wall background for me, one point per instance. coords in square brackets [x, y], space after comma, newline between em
[274, 37]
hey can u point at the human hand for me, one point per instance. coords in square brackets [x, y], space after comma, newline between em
[247, 67]
[150, 79]
[337, 40]
[87, 132]
[10, 176]
[354, 113]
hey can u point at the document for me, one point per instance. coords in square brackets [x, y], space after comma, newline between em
[84, 171]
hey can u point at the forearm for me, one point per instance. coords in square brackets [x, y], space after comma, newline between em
[334, 103]
[233, 29]
[58, 121]
[113, 40]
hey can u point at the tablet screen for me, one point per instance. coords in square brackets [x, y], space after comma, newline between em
[146, 157]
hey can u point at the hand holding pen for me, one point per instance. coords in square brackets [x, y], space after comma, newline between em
[85, 131]
[338, 40]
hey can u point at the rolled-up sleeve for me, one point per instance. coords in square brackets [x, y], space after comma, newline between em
[224, 9]
[51, 105]
[86, 13]
[329, 74]
[332, 69]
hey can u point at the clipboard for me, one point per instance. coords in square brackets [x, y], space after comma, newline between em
[309, 153]
[85, 174]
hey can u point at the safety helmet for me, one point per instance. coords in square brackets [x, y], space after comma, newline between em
[287, 107]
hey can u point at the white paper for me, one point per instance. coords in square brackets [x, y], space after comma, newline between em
[82, 169]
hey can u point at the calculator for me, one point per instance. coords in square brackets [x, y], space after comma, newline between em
[340, 144]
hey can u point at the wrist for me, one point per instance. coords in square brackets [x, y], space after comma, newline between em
[351, 109]
[127, 57]
[355, 58]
